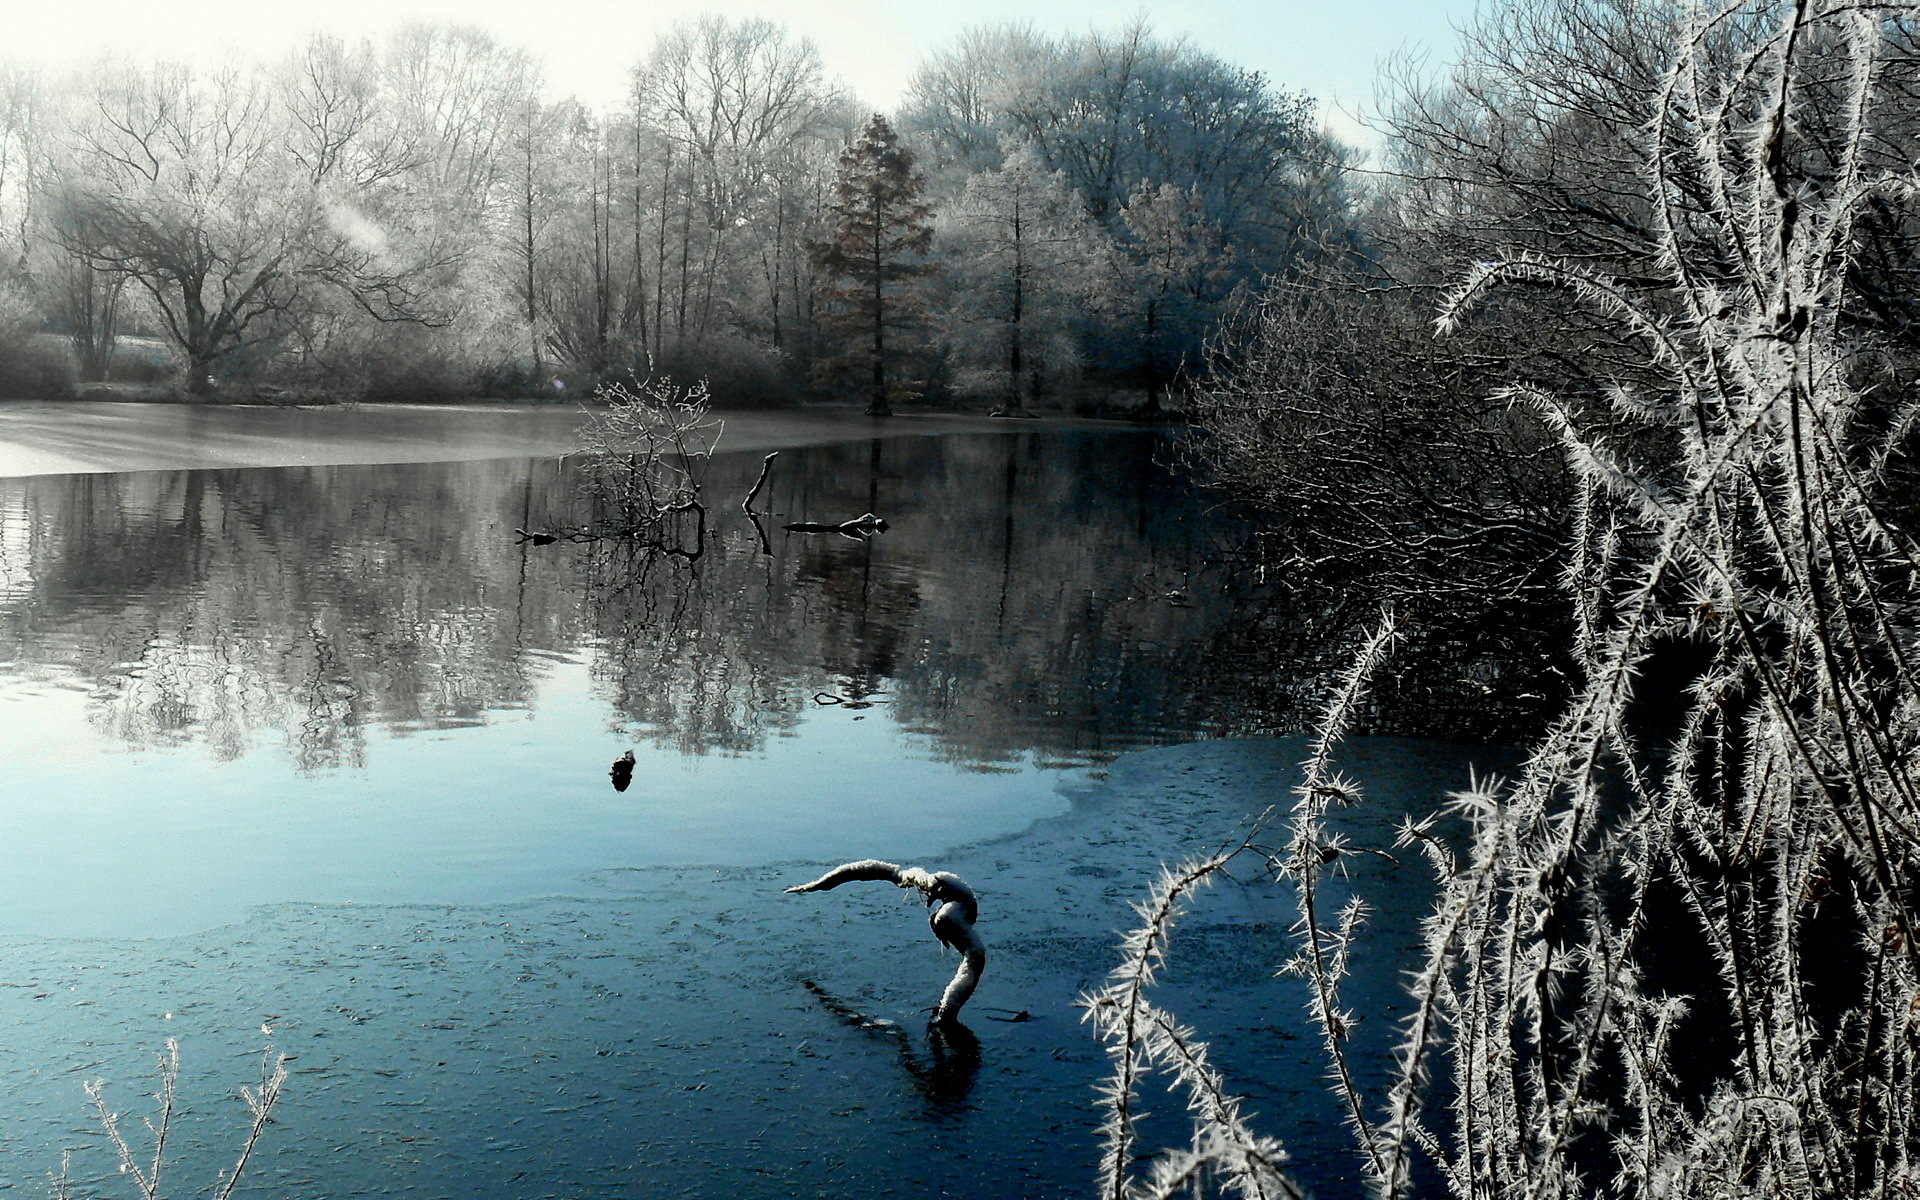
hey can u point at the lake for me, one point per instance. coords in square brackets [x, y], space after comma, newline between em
[317, 758]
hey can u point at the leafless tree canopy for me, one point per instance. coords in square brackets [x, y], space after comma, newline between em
[1674, 955]
[427, 215]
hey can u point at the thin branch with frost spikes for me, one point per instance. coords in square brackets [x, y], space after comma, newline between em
[1338, 714]
[1461, 897]
[954, 907]
[1307, 859]
[1606, 295]
[273, 1078]
[260, 1104]
[1835, 242]
[1174, 1173]
[1591, 462]
[1252, 1163]
[1223, 1140]
[147, 1181]
[61, 1185]
[1119, 1011]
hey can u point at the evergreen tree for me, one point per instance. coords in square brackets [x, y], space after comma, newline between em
[882, 229]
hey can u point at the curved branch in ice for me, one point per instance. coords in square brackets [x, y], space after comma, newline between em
[954, 910]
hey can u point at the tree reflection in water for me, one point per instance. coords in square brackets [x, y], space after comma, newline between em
[1004, 614]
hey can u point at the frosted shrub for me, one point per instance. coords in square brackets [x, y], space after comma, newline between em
[1768, 814]
[144, 1169]
[649, 444]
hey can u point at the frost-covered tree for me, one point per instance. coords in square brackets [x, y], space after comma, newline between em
[1021, 264]
[1174, 277]
[177, 181]
[739, 110]
[1115, 110]
[1209, 177]
[882, 230]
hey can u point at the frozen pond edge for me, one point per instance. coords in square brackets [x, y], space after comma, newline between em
[627, 1037]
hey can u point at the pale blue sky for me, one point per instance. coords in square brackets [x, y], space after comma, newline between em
[1324, 47]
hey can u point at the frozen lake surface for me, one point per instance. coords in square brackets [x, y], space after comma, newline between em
[317, 757]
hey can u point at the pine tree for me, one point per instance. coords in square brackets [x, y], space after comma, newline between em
[882, 229]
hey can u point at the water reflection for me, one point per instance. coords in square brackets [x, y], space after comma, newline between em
[944, 1076]
[1001, 615]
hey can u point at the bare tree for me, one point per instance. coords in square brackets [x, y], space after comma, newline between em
[178, 180]
[734, 102]
[1022, 261]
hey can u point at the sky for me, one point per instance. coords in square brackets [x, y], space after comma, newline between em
[1326, 48]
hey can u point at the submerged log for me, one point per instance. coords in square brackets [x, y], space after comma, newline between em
[863, 526]
[954, 910]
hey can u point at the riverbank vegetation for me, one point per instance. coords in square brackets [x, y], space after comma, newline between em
[1672, 248]
[424, 216]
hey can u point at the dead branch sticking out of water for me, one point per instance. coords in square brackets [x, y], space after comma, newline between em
[954, 910]
[766, 468]
[650, 446]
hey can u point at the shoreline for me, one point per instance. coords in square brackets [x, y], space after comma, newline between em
[85, 437]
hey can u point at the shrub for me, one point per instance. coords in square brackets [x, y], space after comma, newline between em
[1769, 815]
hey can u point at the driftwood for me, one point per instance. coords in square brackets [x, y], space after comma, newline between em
[954, 910]
[766, 466]
[645, 531]
[863, 526]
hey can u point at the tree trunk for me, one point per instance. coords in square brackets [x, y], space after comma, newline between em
[638, 304]
[878, 407]
[200, 364]
[533, 321]
[1155, 384]
[660, 257]
[686, 264]
[1015, 404]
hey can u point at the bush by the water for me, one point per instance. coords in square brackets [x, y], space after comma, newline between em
[1676, 955]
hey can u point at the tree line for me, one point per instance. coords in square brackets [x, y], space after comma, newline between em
[417, 217]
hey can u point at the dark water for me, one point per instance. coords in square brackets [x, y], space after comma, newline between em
[317, 757]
